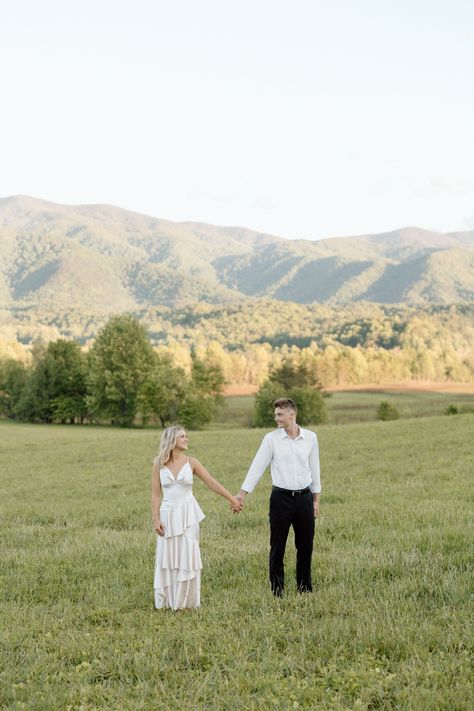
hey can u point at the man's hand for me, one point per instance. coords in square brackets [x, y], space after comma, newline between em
[236, 505]
[240, 498]
[316, 507]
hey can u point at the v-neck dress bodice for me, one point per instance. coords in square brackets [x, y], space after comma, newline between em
[178, 563]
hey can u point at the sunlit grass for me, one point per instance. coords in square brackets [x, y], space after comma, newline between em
[386, 628]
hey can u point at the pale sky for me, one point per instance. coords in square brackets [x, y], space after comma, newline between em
[301, 118]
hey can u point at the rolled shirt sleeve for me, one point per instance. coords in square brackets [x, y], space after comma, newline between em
[260, 462]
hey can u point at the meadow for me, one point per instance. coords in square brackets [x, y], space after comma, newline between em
[387, 626]
[348, 406]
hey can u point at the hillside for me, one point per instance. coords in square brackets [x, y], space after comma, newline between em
[69, 265]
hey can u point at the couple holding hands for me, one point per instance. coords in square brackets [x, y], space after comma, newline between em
[293, 455]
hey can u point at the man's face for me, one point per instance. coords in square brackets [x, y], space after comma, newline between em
[284, 416]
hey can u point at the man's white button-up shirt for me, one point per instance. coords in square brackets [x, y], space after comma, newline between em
[294, 463]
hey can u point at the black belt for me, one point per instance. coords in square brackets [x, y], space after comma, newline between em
[291, 492]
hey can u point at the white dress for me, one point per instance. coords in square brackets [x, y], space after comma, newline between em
[178, 558]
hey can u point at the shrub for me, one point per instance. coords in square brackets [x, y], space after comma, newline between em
[451, 410]
[309, 401]
[310, 404]
[387, 411]
[196, 410]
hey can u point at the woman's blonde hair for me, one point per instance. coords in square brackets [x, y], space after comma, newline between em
[167, 444]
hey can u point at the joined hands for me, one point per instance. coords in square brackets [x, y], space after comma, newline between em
[236, 505]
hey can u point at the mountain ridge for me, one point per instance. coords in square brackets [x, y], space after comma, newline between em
[100, 260]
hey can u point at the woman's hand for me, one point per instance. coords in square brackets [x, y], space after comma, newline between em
[159, 527]
[235, 505]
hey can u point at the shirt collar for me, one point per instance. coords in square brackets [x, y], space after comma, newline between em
[284, 434]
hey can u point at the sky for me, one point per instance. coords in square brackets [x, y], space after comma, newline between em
[299, 118]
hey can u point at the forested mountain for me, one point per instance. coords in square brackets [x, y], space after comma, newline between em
[68, 268]
[275, 323]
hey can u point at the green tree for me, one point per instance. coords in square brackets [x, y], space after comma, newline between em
[296, 381]
[197, 409]
[56, 386]
[13, 378]
[311, 405]
[293, 375]
[263, 415]
[162, 391]
[203, 394]
[120, 360]
[65, 368]
[34, 403]
[208, 378]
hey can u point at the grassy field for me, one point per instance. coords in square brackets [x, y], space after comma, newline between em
[358, 406]
[387, 626]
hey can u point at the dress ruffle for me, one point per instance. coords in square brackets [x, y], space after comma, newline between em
[178, 559]
[179, 518]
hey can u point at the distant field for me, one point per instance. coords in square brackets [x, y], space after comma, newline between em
[359, 406]
[407, 386]
[386, 628]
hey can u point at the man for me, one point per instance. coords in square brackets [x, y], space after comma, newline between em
[293, 456]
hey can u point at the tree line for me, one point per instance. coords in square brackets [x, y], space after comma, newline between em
[120, 380]
[123, 380]
[334, 364]
[363, 343]
[235, 326]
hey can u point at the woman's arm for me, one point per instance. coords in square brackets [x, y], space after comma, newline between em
[213, 484]
[156, 493]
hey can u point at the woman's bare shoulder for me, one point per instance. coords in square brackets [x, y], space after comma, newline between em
[194, 463]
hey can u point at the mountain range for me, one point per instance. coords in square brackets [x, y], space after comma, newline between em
[100, 259]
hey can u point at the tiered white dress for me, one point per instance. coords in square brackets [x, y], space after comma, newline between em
[178, 558]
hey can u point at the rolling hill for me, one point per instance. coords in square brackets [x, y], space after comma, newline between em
[87, 262]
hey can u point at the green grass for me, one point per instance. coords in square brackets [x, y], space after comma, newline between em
[387, 626]
[357, 406]
[344, 407]
[237, 411]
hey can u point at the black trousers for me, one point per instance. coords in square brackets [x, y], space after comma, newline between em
[285, 511]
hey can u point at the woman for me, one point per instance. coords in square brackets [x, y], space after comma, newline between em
[176, 521]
